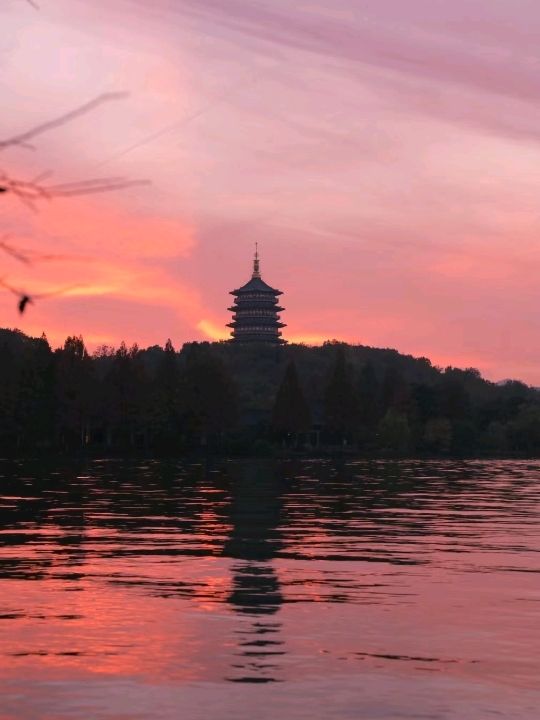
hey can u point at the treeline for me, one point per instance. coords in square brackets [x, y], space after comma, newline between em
[254, 399]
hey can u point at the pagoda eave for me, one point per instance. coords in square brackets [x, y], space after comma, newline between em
[242, 291]
[273, 326]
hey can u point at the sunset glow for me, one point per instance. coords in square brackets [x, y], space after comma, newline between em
[384, 155]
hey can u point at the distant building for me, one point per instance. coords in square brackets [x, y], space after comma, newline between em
[256, 309]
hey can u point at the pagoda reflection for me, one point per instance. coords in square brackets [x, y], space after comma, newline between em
[255, 513]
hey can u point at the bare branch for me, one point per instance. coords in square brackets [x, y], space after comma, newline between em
[21, 140]
[17, 254]
[28, 256]
[27, 191]
[30, 191]
[98, 185]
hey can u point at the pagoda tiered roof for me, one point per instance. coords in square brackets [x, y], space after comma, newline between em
[256, 284]
[256, 311]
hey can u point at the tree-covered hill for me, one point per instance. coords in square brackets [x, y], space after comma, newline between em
[246, 398]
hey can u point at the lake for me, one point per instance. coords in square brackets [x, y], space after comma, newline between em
[262, 589]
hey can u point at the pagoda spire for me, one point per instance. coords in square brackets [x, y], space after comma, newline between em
[256, 268]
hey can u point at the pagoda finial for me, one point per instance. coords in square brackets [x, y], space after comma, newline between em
[256, 269]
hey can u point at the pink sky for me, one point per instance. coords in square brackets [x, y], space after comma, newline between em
[384, 154]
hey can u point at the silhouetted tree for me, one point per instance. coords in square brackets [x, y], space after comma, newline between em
[494, 439]
[208, 395]
[74, 393]
[162, 401]
[425, 402]
[504, 402]
[341, 410]
[126, 397]
[395, 433]
[10, 421]
[36, 395]
[369, 403]
[165, 400]
[524, 430]
[454, 399]
[438, 435]
[291, 414]
[395, 391]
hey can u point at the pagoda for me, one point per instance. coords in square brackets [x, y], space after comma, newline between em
[256, 311]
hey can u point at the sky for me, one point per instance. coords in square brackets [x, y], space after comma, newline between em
[385, 155]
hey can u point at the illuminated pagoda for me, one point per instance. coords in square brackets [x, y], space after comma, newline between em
[256, 311]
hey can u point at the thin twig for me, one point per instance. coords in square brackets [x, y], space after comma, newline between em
[21, 140]
[29, 192]
[19, 255]
[28, 256]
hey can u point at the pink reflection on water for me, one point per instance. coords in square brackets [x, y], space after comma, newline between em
[409, 586]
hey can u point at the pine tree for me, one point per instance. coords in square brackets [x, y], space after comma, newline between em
[341, 408]
[164, 406]
[74, 392]
[126, 396]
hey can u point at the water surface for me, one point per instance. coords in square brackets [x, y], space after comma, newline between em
[133, 590]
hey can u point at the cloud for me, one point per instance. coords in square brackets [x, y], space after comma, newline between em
[400, 45]
[425, 60]
[116, 269]
[213, 331]
[385, 158]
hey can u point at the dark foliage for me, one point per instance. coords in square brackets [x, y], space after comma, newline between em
[291, 416]
[341, 406]
[252, 399]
